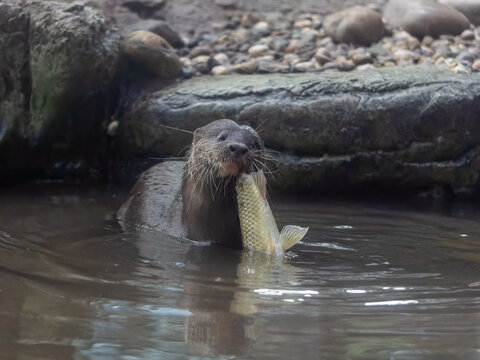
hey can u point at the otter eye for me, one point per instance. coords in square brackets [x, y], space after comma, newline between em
[222, 137]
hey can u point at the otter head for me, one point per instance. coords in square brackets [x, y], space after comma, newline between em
[223, 149]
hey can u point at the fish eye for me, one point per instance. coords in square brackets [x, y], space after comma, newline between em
[222, 137]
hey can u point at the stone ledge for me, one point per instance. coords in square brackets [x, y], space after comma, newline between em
[383, 119]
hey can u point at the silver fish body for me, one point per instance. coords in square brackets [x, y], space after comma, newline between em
[258, 226]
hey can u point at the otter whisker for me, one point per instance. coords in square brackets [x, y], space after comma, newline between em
[174, 128]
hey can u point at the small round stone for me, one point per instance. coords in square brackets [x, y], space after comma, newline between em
[219, 70]
[468, 35]
[221, 58]
[303, 23]
[247, 67]
[476, 65]
[323, 56]
[249, 19]
[304, 66]
[262, 25]
[112, 128]
[427, 41]
[257, 50]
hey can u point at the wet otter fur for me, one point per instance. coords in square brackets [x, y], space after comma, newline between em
[196, 199]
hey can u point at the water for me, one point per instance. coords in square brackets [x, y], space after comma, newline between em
[369, 281]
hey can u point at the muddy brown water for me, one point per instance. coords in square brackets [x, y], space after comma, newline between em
[372, 280]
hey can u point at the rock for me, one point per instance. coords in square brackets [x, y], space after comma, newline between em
[72, 51]
[293, 46]
[112, 128]
[476, 65]
[144, 8]
[360, 57]
[262, 25]
[247, 67]
[219, 70]
[425, 17]
[457, 68]
[57, 62]
[394, 129]
[469, 8]
[270, 66]
[427, 41]
[365, 67]
[468, 35]
[200, 50]
[221, 58]
[302, 23]
[161, 28]
[149, 52]
[323, 56]
[14, 34]
[357, 25]
[258, 50]
[304, 66]
[249, 19]
[465, 57]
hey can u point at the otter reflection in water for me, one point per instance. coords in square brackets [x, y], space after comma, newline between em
[196, 199]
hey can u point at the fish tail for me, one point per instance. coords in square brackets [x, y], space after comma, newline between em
[290, 235]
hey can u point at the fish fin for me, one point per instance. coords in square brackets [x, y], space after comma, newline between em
[261, 182]
[290, 235]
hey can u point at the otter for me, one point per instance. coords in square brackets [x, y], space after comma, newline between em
[196, 199]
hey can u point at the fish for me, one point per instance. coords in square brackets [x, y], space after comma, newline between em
[257, 223]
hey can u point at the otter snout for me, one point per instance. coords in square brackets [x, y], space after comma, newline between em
[237, 150]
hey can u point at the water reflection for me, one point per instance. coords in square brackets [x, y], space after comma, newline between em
[368, 281]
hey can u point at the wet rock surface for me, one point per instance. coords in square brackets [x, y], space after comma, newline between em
[401, 128]
[339, 99]
[59, 64]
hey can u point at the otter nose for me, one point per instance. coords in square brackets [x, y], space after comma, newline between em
[237, 149]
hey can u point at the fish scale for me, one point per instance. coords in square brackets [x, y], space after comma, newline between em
[258, 227]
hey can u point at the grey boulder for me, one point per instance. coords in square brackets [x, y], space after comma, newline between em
[425, 17]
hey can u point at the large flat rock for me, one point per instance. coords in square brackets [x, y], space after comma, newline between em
[394, 128]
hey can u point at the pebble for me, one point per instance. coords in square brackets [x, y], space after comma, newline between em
[247, 67]
[476, 65]
[221, 58]
[283, 42]
[257, 50]
[219, 70]
[304, 66]
[323, 56]
[262, 25]
[249, 19]
[112, 128]
[200, 50]
[465, 57]
[270, 66]
[302, 23]
[468, 35]
[361, 57]
[427, 41]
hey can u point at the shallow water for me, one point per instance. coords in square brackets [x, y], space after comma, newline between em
[369, 281]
